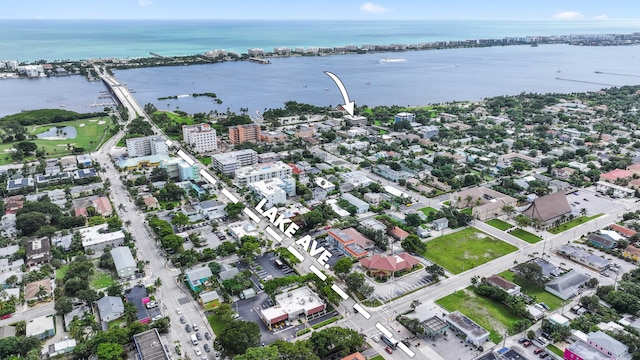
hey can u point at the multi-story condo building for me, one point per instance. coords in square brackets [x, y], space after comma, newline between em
[201, 137]
[244, 133]
[410, 117]
[228, 163]
[251, 174]
[148, 145]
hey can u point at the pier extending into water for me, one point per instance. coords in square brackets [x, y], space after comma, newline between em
[259, 60]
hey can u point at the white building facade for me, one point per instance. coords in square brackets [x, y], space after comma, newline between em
[201, 137]
[251, 174]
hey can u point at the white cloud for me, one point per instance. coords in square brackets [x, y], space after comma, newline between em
[373, 8]
[144, 2]
[601, 17]
[568, 15]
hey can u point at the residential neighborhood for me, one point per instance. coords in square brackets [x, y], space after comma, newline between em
[506, 226]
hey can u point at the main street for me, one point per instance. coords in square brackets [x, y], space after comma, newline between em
[170, 292]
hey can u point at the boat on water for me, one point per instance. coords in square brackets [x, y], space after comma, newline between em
[392, 60]
[63, 105]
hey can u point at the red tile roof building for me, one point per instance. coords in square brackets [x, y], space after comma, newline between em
[398, 234]
[622, 230]
[616, 174]
[383, 265]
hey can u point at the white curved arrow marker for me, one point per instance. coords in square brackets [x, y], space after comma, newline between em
[348, 105]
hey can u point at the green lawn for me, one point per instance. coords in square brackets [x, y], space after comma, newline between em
[206, 160]
[468, 211]
[465, 249]
[499, 224]
[555, 350]
[101, 280]
[525, 235]
[483, 311]
[537, 292]
[61, 272]
[89, 136]
[216, 324]
[573, 223]
[377, 123]
[428, 210]
[377, 357]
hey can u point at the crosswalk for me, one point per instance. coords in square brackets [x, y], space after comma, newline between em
[402, 288]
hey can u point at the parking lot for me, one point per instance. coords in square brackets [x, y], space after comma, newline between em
[335, 253]
[249, 310]
[593, 202]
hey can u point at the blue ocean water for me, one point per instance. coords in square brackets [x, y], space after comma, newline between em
[32, 40]
[425, 77]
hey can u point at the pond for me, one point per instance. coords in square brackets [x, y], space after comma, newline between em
[59, 133]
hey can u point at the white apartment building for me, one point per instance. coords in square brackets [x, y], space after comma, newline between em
[269, 190]
[228, 163]
[93, 238]
[251, 174]
[148, 145]
[201, 137]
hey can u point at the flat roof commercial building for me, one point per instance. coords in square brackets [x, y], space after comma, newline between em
[93, 239]
[149, 346]
[475, 334]
[227, 163]
[292, 304]
[247, 175]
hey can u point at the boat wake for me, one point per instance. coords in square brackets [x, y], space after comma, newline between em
[395, 60]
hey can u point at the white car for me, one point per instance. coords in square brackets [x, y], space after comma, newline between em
[178, 311]
[198, 352]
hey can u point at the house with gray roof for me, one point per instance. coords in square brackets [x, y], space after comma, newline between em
[440, 224]
[197, 277]
[607, 345]
[475, 334]
[124, 262]
[110, 308]
[567, 285]
[360, 205]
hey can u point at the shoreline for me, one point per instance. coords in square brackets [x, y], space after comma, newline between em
[260, 56]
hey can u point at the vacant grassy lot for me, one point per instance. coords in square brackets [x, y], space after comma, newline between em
[428, 210]
[90, 136]
[573, 223]
[101, 280]
[536, 292]
[217, 325]
[488, 313]
[61, 272]
[465, 249]
[499, 224]
[525, 235]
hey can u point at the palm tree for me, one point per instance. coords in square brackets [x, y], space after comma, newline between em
[76, 329]
[42, 292]
[415, 304]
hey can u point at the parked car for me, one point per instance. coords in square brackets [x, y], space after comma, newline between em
[151, 304]
[178, 311]
[526, 343]
[544, 306]
[198, 336]
[543, 355]
[207, 348]
[195, 327]
[207, 336]
[187, 328]
[388, 350]
[183, 320]
[375, 338]
[198, 352]
[537, 351]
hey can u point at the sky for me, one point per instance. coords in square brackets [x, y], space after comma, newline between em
[561, 10]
